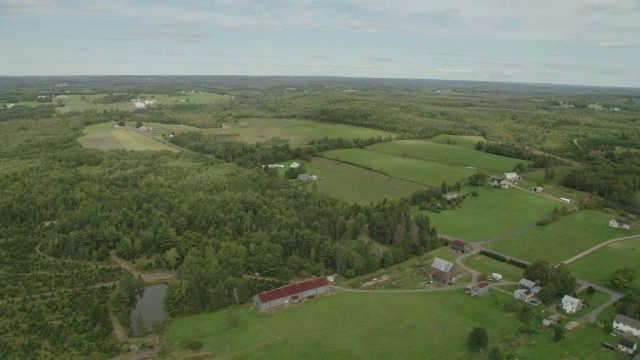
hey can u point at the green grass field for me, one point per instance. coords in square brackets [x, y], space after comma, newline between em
[105, 137]
[377, 326]
[430, 173]
[295, 132]
[597, 266]
[559, 241]
[447, 154]
[85, 102]
[489, 266]
[492, 213]
[356, 184]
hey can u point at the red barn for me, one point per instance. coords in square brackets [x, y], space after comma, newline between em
[291, 293]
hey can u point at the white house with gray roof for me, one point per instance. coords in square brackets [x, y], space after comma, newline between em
[571, 305]
[627, 325]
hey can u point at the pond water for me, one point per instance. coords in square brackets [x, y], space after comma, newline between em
[150, 305]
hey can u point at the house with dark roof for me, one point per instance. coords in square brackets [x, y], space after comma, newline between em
[291, 294]
[620, 223]
[627, 325]
[461, 246]
[443, 271]
[627, 346]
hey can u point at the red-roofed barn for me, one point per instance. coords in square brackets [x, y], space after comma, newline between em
[291, 293]
[462, 246]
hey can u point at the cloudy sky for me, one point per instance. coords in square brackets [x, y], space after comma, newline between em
[585, 42]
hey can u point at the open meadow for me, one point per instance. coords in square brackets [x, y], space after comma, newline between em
[468, 142]
[85, 102]
[379, 326]
[355, 184]
[295, 132]
[493, 212]
[598, 266]
[425, 172]
[105, 137]
[556, 242]
[447, 154]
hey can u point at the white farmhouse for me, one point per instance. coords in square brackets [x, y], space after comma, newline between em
[571, 305]
[627, 325]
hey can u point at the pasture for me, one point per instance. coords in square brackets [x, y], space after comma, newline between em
[85, 102]
[487, 265]
[556, 242]
[425, 172]
[447, 154]
[355, 184]
[377, 326]
[105, 137]
[493, 212]
[295, 132]
[597, 266]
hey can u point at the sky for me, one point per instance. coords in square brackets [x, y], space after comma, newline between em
[578, 42]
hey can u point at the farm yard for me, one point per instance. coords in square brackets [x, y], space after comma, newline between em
[294, 132]
[493, 212]
[487, 265]
[598, 266]
[556, 242]
[376, 330]
[355, 184]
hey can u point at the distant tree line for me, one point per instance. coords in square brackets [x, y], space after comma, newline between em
[516, 152]
[19, 112]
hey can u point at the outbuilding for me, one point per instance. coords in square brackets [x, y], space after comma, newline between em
[291, 294]
[461, 246]
[443, 271]
[620, 223]
[627, 346]
[627, 325]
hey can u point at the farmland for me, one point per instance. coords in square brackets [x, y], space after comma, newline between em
[375, 330]
[597, 266]
[85, 102]
[295, 132]
[493, 212]
[447, 154]
[558, 241]
[488, 266]
[355, 184]
[430, 173]
[105, 137]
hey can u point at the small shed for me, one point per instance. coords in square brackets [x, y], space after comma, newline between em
[479, 288]
[620, 223]
[496, 276]
[461, 246]
[294, 165]
[512, 176]
[537, 189]
[627, 346]
[450, 196]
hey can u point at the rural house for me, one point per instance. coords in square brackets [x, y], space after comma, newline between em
[478, 289]
[511, 176]
[627, 325]
[461, 246]
[291, 294]
[627, 346]
[501, 183]
[620, 224]
[527, 284]
[571, 305]
[443, 271]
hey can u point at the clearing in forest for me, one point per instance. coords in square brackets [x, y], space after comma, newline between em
[105, 137]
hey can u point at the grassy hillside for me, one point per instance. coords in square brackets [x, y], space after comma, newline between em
[356, 184]
[378, 326]
[493, 212]
[558, 241]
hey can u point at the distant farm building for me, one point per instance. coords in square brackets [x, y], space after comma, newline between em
[291, 294]
[571, 305]
[306, 177]
[294, 165]
[537, 189]
[499, 183]
[527, 290]
[450, 196]
[478, 289]
[511, 176]
[461, 246]
[523, 294]
[627, 325]
[496, 276]
[620, 224]
[627, 346]
[443, 271]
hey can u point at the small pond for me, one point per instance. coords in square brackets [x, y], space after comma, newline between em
[150, 305]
